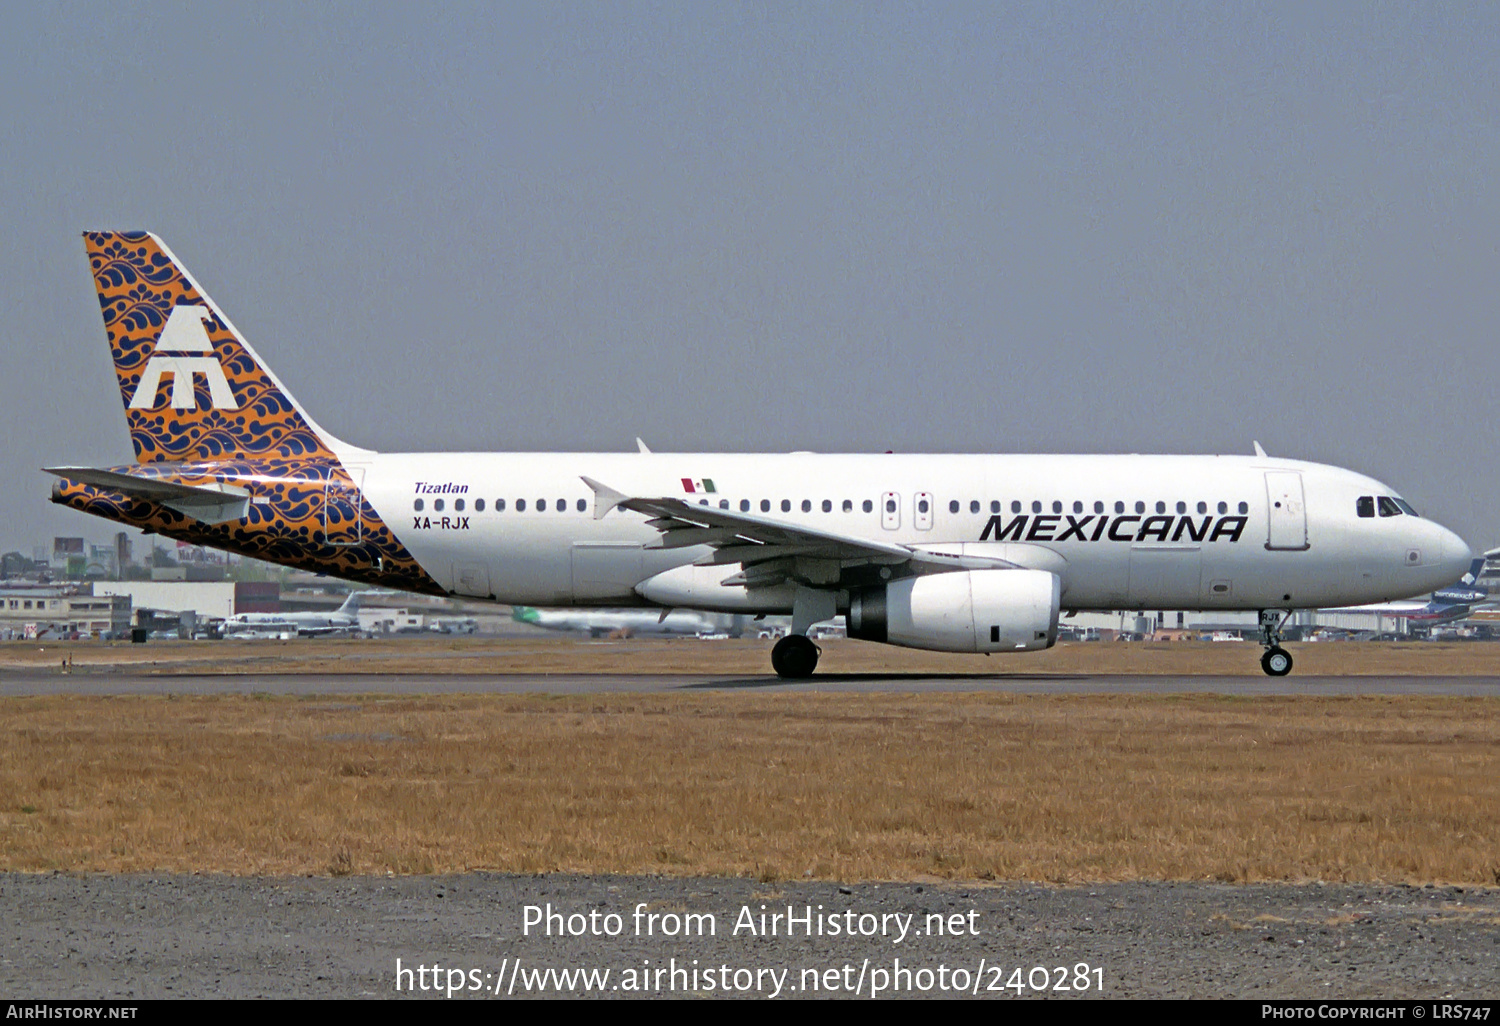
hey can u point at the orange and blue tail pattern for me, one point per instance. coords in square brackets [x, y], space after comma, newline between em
[193, 389]
[203, 409]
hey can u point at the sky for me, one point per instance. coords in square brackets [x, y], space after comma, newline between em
[742, 227]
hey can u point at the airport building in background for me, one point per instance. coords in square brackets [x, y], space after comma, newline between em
[29, 612]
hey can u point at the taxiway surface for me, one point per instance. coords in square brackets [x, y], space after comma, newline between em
[30, 682]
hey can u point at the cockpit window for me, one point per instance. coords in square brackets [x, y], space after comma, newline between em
[1365, 505]
[1388, 507]
[1406, 507]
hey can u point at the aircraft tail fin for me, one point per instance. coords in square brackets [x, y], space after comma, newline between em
[351, 604]
[193, 388]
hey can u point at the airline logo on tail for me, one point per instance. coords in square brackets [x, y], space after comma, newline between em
[184, 334]
[162, 326]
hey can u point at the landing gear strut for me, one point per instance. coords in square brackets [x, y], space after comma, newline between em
[1277, 661]
[794, 656]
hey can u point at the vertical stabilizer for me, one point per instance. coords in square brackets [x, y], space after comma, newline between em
[193, 388]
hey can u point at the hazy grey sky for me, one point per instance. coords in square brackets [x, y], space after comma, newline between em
[1029, 227]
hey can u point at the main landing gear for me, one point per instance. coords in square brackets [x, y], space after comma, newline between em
[794, 656]
[1277, 661]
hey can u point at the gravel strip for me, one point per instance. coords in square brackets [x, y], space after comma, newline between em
[162, 936]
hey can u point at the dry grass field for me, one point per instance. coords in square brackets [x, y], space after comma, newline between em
[769, 785]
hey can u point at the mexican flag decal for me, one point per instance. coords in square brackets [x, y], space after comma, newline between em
[704, 486]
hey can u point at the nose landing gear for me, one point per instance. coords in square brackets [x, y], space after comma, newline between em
[1277, 661]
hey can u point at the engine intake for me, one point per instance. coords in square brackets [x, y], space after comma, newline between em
[964, 611]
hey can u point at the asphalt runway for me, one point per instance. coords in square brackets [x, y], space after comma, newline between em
[14, 684]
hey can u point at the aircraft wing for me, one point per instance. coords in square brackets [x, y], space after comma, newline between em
[772, 551]
[213, 504]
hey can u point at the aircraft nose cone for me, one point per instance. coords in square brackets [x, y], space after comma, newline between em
[1456, 555]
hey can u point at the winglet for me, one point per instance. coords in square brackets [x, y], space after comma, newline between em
[1259, 451]
[642, 446]
[605, 497]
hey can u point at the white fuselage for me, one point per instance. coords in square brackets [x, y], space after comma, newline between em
[289, 623]
[1180, 532]
[627, 621]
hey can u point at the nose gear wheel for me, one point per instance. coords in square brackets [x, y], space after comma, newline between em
[1277, 661]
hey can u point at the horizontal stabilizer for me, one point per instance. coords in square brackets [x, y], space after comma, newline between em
[212, 504]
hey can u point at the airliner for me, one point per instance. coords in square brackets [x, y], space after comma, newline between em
[343, 620]
[956, 553]
[599, 623]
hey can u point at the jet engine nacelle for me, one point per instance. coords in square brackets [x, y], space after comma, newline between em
[970, 611]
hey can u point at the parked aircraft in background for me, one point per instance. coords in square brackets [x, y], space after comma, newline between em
[600, 623]
[1455, 602]
[942, 552]
[307, 625]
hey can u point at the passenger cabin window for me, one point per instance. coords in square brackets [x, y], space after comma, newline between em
[1388, 507]
[437, 504]
[1098, 506]
[786, 505]
[1244, 507]
[499, 505]
[1077, 506]
[417, 505]
[583, 505]
[1223, 507]
[458, 504]
[867, 506]
[520, 505]
[541, 505]
[765, 505]
[973, 505]
[744, 505]
[952, 506]
[1015, 505]
[848, 506]
[1202, 507]
[827, 505]
[1140, 507]
[478, 505]
[1036, 506]
[807, 505]
[994, 505]
[1057, 505]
